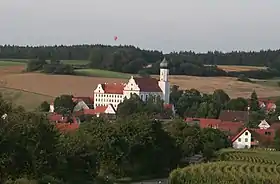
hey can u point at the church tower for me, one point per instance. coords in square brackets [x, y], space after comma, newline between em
[163, 81]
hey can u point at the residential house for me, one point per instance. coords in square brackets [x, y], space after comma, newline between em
[105, 111]
[231, 128]
[242, 139]
[264, 124]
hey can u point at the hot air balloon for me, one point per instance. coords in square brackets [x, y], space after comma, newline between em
[115, 38]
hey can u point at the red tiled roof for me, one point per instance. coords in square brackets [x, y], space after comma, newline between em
[113, 88]
[275, 126]
[100, 109]
[239, 134]
[266, 135]
[148, 84]
[57, 117]
[241, 116]
[231, 127]
[168, 106]
[97, 110]
[270, 106]
[67, 126]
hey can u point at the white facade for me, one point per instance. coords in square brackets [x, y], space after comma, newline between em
[243, 141]
[103, 99]
[164, 84]
[263, 125]
[122, 91]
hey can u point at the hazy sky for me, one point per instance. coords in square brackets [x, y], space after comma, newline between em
[167, 25]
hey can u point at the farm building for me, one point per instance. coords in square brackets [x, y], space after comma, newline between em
[114, 94]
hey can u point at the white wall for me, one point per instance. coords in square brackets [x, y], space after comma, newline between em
[242, 141]
[51, 108]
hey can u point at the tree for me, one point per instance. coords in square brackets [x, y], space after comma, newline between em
[237, 104]
[254, 102]
[64, 104]
[95, 58]
[277, 140]
[45, 106]
[77, 159]
[132, 146]
[188, 138]
[175, 94]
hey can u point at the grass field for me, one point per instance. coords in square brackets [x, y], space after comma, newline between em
[10, 63]
[271, 82]
[75, 62]
[235, 68]
[234, 167]
[101, 73]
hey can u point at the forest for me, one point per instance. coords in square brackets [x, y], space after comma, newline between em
[130, 59]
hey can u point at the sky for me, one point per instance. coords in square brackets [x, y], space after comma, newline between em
[177, 25]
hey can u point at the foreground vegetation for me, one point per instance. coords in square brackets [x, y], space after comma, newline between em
[33, 149]
[234, 167]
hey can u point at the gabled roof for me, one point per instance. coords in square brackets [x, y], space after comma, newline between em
[115, 88]
[239, 134]
[100, 109]
[228, 126]
[234, 116]
[54, 117]
[87, 100]
[147, 84]
[97, 110]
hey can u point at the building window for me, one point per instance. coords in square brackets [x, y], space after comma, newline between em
[246, 139]
[246, 133]
[239, 140]
[267, 133]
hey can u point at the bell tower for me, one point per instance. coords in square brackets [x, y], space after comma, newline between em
[163, 81]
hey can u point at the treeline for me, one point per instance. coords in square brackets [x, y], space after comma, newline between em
[131, 59]
[52, 67]
[100, 151]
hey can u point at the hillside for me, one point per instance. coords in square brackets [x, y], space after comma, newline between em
[130, 59]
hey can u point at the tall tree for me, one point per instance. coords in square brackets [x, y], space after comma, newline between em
[254, 102]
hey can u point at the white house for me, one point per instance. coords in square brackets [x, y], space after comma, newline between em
[106, 94]
[264, 125]
[242, 140]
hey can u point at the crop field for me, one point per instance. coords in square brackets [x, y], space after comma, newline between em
[101, 73]
[12, 77]
[234, 167]
[239, 68]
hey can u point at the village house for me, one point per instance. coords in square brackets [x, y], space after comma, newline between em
[114, 94]
[240, 136]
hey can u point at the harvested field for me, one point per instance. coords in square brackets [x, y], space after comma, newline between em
[239, 68]
[29, 100]
[8, 70]
[55, 85]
